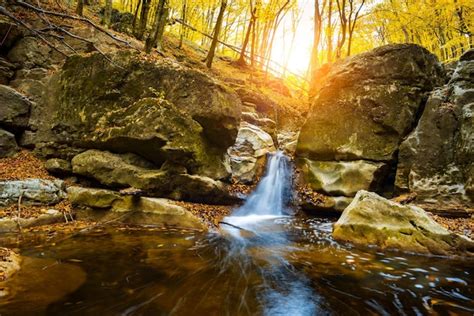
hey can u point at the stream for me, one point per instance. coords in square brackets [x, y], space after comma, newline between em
[262, 261]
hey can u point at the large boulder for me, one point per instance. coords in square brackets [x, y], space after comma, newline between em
[371, 220]
[15, 109]
[130, 170]
[436, 160]
[158, 110]
[369, 103]
[8, 146]
[249, 152]
[341, 178]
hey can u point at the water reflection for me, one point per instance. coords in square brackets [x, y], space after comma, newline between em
[188, 273]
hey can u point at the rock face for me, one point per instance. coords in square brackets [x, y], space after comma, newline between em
[15, 109]
[133, 210]
[32, 191]
[373, 220]
[368, 103]
[173, 117]
[365, 107]
[130, 170]
[8, 146]
[249, 152]
[436, 160]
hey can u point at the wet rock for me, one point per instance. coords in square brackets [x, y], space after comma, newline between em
[110, 205]
[435, 161]
[341, 178]
[31, 191]
[373, 220]
[129, 170]
[93, 198]
[8, 146]
[287, 141]
[368, 103]
[58, 166]
[249, 152]
[15, 224]
[327, 205]
[15, 109]
[153, 211]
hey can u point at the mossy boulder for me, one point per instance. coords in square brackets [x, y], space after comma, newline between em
[371, 220]
[368, 103]
[157, 109]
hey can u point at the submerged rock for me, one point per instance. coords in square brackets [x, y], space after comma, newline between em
[373, 220]
[436, 160]
[31, 191]
[248, 153]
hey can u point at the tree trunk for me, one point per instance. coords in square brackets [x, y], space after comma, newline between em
[143, 19]
[215, 38]
[108, 12]
[329, 32]
[316, 38]
[156, 36]
[135, 16]
[182, 30]
[241, 60]
[80, 7]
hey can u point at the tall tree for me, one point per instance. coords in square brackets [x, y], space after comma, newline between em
[215, 37]
[155, 38]
[80, 7]
[143, 19]
[253, 17]
[108, 12]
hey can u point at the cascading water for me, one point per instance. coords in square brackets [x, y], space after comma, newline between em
[258, 227]
[269, 200]
[274, 191]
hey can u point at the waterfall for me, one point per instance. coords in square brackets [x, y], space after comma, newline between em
[269, 200]
[273, 193]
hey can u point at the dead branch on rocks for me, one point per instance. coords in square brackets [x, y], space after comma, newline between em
[77, 18]
[14, 18]
[62, 29]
